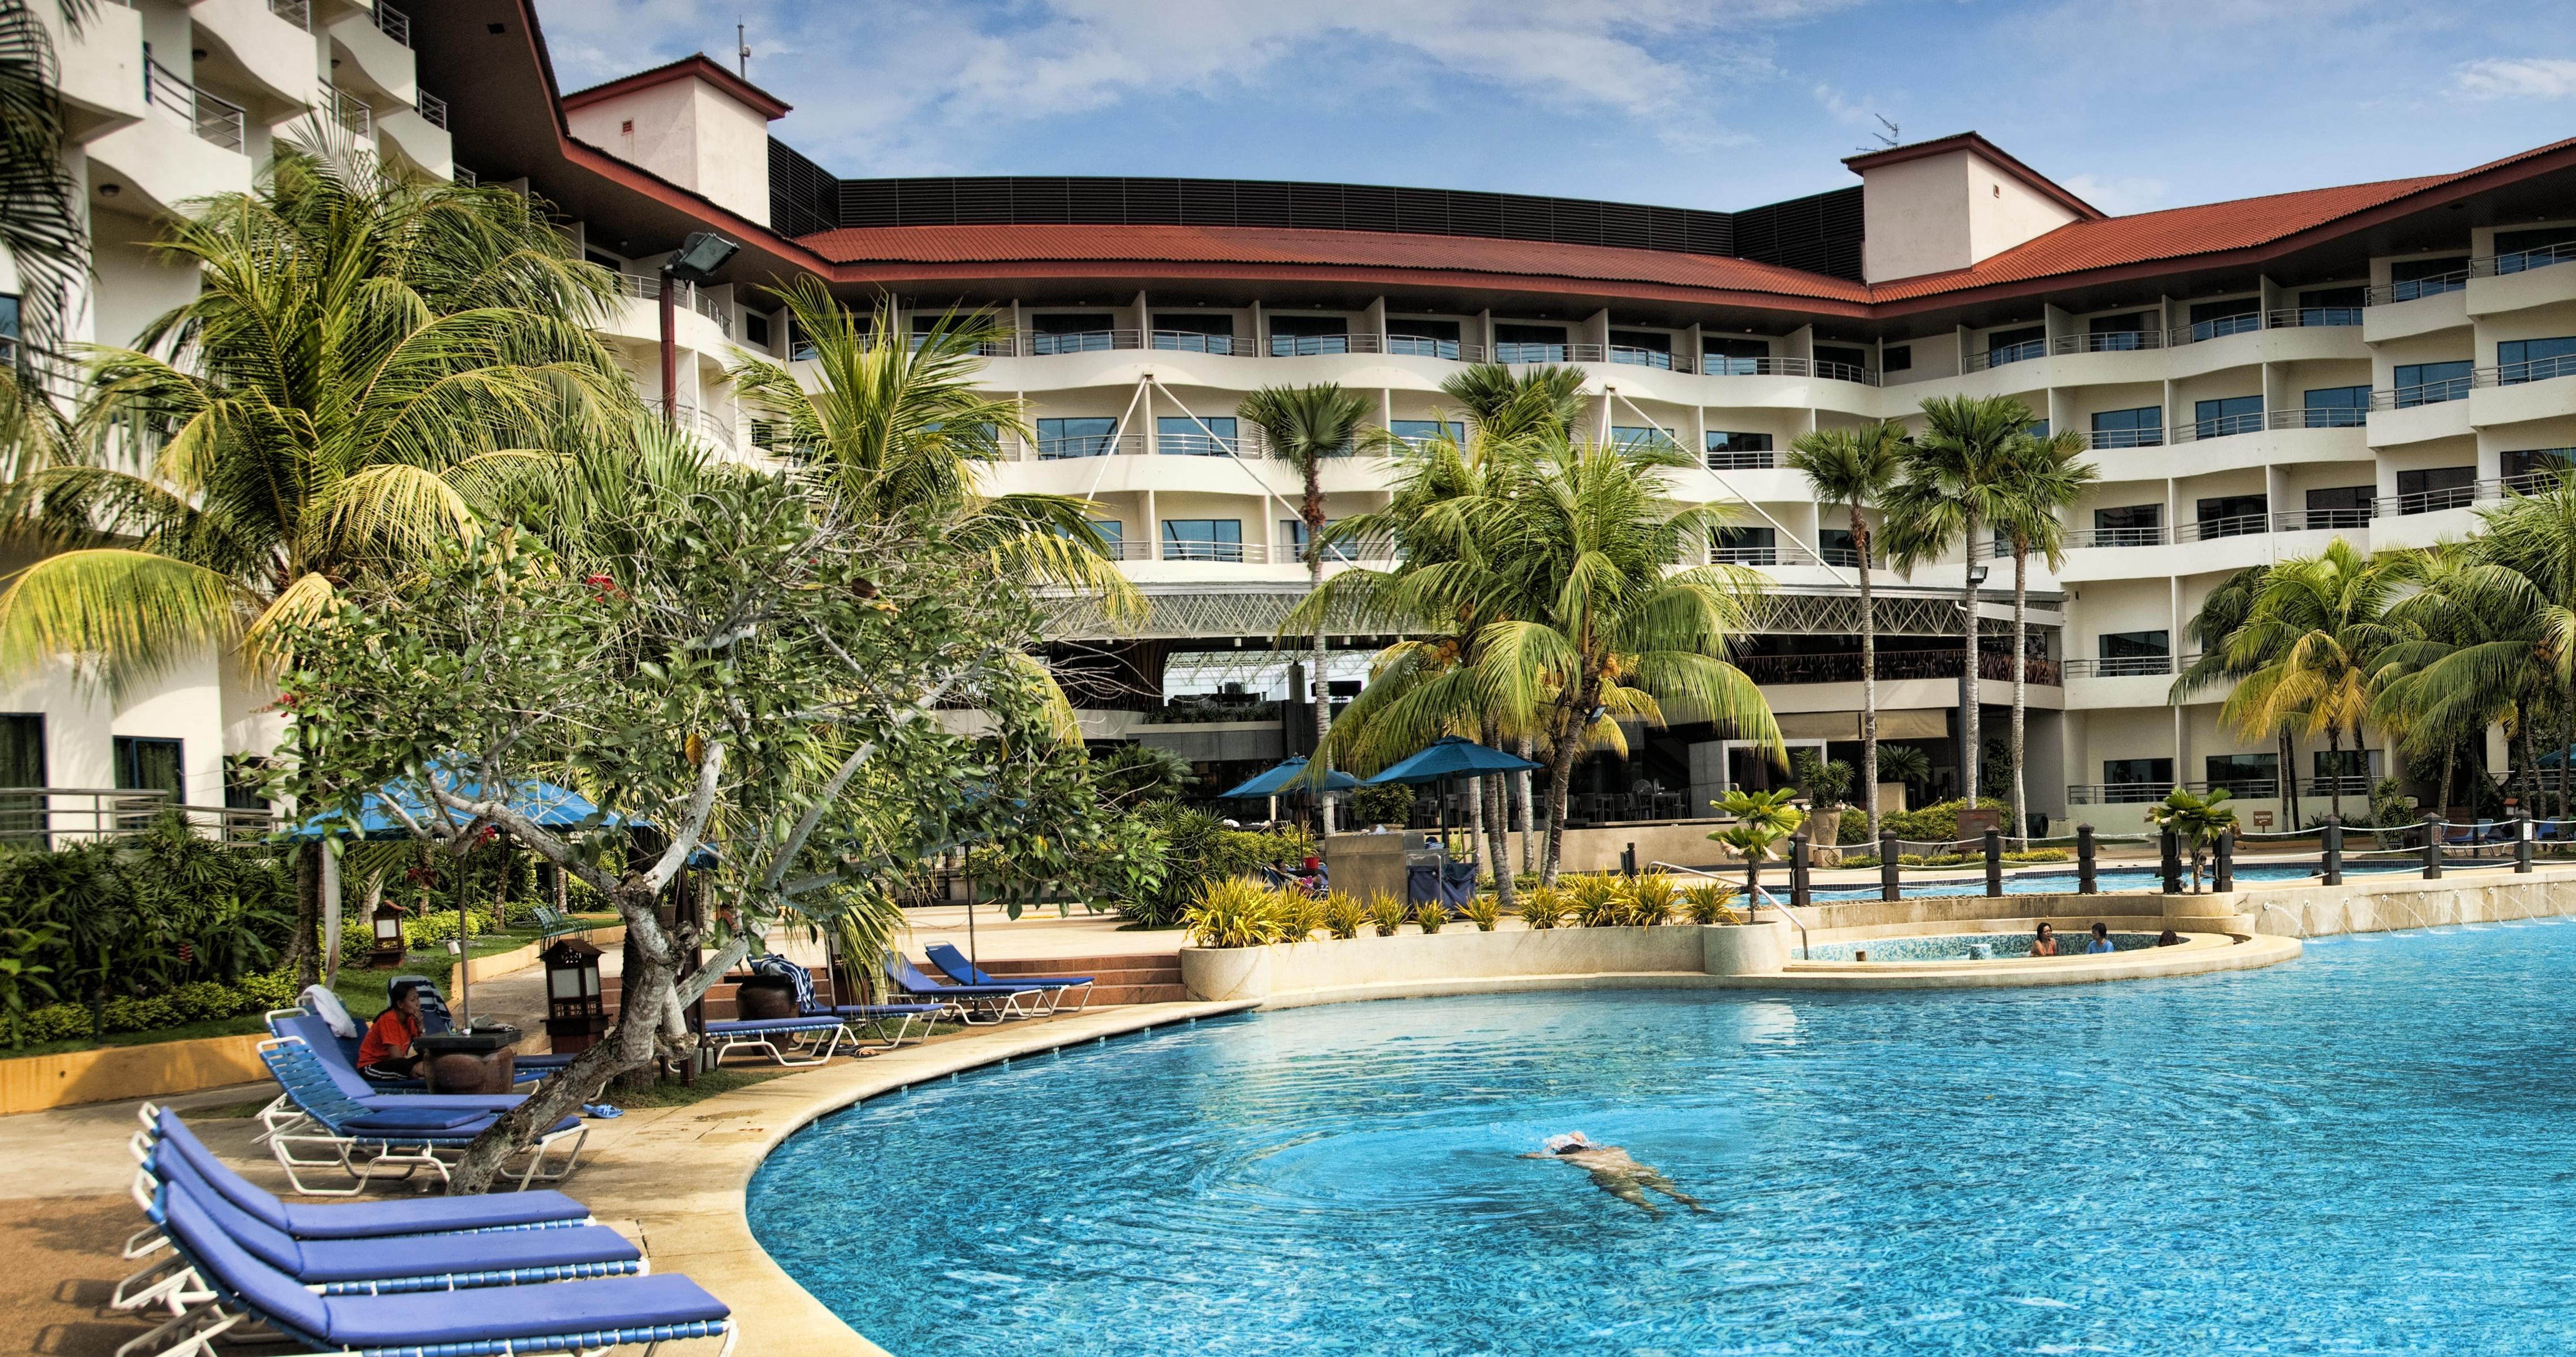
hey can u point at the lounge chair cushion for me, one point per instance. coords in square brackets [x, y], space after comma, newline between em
[817, 1023]
[908, 978]
[956, 966]
[413, 1121]
[361, 1220]
[888, 1010]
[320, 1261]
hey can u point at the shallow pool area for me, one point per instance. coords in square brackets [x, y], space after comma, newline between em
[1961, 946]
[2361, 1151]
[1971, 880]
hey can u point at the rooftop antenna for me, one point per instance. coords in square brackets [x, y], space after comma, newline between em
[742, 51]
[1893, 137]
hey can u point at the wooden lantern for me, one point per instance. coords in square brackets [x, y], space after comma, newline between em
[576, 1013]
[388, 951]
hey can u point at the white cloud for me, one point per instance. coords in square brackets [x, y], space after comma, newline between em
[2120, 196]
[2516, 78]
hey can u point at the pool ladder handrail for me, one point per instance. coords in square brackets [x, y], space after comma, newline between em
[1764, 897]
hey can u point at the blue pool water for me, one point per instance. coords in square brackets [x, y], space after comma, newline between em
[1971, 880]
[2367, 1150]
[1954, 946]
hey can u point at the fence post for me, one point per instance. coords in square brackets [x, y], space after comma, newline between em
[1798, 866]
[2432, 845]
[2172, 862]
[2333, 851]
[2222, 862]
[2522, 839]
[1994, 862]
[1628, 860]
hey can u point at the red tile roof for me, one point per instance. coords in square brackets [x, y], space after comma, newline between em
[1254, 246]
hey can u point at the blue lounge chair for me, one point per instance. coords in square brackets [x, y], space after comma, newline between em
[2474, 834]
[778, 1036]
[578, 1316]
[955, 965]
[339, 1065]
[971, 1003]
[165, 1136]
[404, 1137]
[874, 1016]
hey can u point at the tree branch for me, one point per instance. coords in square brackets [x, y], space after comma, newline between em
[554, 850]
[794, 843]
[685, 837]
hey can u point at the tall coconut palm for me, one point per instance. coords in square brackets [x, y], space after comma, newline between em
[2479, 646]
[41, 238]
[2048, 475]
[1508, 403]
[1854, 468]
[370, 361]
[1956, 483]
[2313, 640]
[1306, 425]
[2534, 535]
[2211, 631]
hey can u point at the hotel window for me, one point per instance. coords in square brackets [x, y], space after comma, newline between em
[2516, 251]
[2535, 360]
[244, 782]
[1738, 451]
[2012, 346]
[2254, 775]
[2528, 469]
[1640, 436]
[1293, 336]
[2340, 506]
[2352, 767]
[1079, 332]
[1423, 338]
[1186, 436]
[1529, 344]
[2332, 305]
[1896, 358]
[1641, 348]
[2338, 407]
[1743, 546]
[2434, 489]
[2143, 427]
[755, 329]
[1203, 539]
[1733, 357]
[145, 764]
[2227, 415]
[2236, 315]
[1841, 362]
[1113, 536]
[2126, 331]
[2431, 383]
[1420, 431]
[1835, 545]
[1059, 438]
[2409, 279]
[1292, 531]
[2232, 516]
[22, 764]
[2133, 525]
[2123, 653]
[2140, 779]
[2037, 428]
[1194, 331]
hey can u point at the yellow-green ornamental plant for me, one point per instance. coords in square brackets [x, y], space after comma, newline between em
[1599, 900]
[1544, 907]
[1344, 915]
[1652, 898]
[1386, 914]
[1235, 912]
[1430, 915]
[1707, 903]
[1484, 912]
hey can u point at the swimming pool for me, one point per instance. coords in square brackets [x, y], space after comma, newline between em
[2363, 1150]
[1954, 946]
[1971, 880]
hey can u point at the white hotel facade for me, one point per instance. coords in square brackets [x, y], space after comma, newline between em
[2257, 378]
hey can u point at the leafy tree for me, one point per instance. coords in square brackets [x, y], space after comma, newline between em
[1307, 425]
[1823, 783]
[2197, 821]
[41, 235]
[2534, 535]
[2212, 631]
[2312, 644]
[2047, 477]
[1910, 764]
[1855, 468]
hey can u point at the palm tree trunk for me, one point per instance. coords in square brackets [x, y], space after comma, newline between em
[2334, 760]
[1969, 749]
[2021, 693]
[2450, 755]
[1868, 678]
[2288, 778]
[1498, 836]
[2531, 766]
[1521, 792]
[1314, 514]
[1560, 775]
[1476, 815]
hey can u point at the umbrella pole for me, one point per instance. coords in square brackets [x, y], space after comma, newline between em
[464, 949]
[973, 957]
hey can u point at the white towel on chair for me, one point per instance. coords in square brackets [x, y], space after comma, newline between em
[325, 1005]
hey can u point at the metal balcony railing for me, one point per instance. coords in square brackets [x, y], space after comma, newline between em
[1191, 341]
[432, 109]
[393, 23]
[1766, 556]
[1844, 667]
[2312, 317]
[1519, 351]
[214, 119]
[2523, 261]
[705, 423]
[2427, 393]
[2321, 520]
[2080, 539]
[2216, 327]
[296, 12]
[1633, 356]
[1199, 445]
[2347, 784]
[464, 177]
[54, 817]
[2212, 529]
[2435, 501]
[2414, 289]
[648, 287]
[2101, 440]
[2108, 341]
[2116, 793]
[1317, 346]
[1425, 346]
[2516, 374]
[2120, 666]
[2221, 426]
[2225, 426]
[1717, 366]
[1741, 461]
[1081, 341]
[349, 111]
[1084, 445]
[2008, 353]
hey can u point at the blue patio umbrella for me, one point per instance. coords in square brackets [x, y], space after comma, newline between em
[1277, 782]
[1454, 756]
[548, 805]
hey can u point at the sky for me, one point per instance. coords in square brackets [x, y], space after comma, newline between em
[1725, 104]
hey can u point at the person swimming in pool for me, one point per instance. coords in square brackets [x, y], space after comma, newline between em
[2044, 942]
[2101, 942]
[1614, 1172]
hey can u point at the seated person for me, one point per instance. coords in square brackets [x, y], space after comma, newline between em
[2169, 938]
[386, 1051]
[2101, 941]
[2044, 942]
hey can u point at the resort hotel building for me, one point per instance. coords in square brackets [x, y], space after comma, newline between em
[2256, 378]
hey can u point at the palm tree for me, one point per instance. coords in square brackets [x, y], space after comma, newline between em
[2534, 535]
[1508, 404]
[2047, 478]
[1956, 482]
[1307, 425]
[370, 363]
[1854, 468]
[1906, 763]
[40, 235]
[1762, 820]
[896, 428]
[2196, 820]
[2312, 641]
[2481, 646]
[2211, 631]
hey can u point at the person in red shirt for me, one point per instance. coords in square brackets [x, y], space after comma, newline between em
[386, 1051]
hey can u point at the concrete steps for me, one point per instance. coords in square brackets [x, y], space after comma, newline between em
[1128, 979]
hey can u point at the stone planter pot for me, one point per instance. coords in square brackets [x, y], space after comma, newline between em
[765, 996]
[1823, 828]
[1216, 974]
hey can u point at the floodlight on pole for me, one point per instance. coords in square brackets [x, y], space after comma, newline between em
[694, 263]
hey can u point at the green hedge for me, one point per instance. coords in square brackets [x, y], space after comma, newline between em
[197, 1001]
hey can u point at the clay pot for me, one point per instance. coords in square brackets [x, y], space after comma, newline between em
[765, 996]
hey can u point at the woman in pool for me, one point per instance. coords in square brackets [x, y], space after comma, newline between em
[2044, 943]
[2101, 941]
[1614, 1172]
[2169, 938]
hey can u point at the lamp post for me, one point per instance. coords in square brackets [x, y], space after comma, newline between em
[694, 263]
[387, 923]
[1968, 681]
[575, 1011]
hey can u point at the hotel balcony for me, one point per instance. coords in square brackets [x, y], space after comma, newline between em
[2418, 414]
[190, 145]
[2519, 281]
[2420, 306]
[2514, 393]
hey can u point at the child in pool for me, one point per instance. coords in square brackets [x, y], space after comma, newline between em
[1614, 1172]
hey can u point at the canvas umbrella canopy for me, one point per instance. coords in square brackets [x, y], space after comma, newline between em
[1277, 782]
[1451, 756]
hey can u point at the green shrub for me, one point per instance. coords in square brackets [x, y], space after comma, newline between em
[1598, 901]
[196, 1001]
[1430, 915]
[1344, 916]
[1543, 907]
[1386, 914]
[1382, 804]
[1484, 912]
[1197, 848]
[1235, 912]
[1706, 903]
[1935, 823]
[1651, 900]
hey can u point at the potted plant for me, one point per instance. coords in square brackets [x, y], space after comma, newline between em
[1824, 784]
[1762, 820]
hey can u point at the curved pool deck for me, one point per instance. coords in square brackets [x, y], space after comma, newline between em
[683, 1179]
